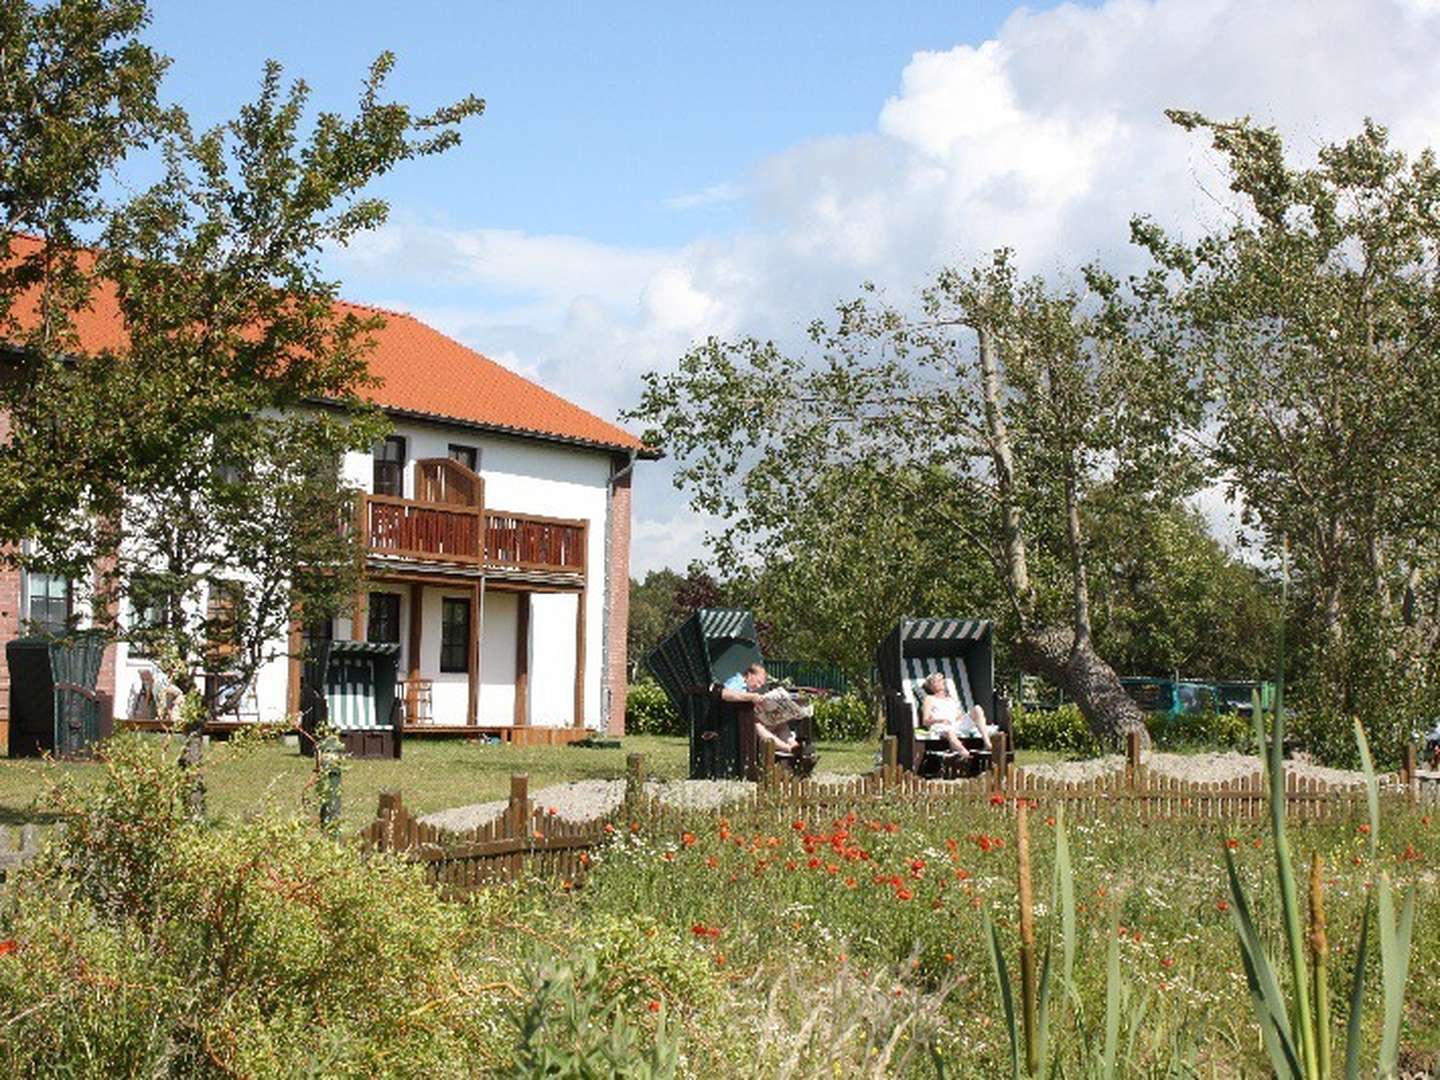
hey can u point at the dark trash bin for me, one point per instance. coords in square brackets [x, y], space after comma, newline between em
[55, 707]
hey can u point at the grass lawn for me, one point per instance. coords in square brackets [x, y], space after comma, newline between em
[434, 774]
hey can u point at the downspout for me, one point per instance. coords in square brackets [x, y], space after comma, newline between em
[616, 475]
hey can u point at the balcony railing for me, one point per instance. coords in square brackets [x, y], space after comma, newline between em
[447, 532]
[534, 543]
[415, 530]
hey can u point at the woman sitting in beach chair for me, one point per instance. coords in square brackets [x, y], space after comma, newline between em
[941, 714]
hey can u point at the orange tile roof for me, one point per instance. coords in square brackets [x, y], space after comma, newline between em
[423, 373]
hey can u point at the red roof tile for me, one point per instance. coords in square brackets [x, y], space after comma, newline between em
[423, 373]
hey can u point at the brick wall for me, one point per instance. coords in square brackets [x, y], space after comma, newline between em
[619, 576]
[9, 615]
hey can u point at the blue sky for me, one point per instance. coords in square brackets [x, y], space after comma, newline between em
[650, 174]
[597, 114]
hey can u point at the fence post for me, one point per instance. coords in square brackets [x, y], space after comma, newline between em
[999, 761]
[634, 784]
[1408, 768]
[1132, 758]
[890, 756]
[518, 815]
[328, 754]
[767, 765]
[387, 813]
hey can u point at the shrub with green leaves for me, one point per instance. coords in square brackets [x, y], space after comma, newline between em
[1063, 730]
[649, 711]
[845, 718]
[145, 943]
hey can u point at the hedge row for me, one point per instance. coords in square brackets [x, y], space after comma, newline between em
[648, 711]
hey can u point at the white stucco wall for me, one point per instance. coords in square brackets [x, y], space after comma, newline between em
[497, 659]
[552, 659]
[528, 477]
[523, 476]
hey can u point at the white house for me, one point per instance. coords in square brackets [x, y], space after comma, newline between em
[495, 521]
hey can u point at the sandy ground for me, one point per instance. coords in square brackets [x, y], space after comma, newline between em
[586, 800]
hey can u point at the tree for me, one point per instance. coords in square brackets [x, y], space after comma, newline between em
[197, 456]
[976, 425]
[1314, 315]
[651, 603]
[1169, 597]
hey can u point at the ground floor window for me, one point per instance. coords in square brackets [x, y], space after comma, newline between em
[384, 618]
[454, 634]
[48, 603]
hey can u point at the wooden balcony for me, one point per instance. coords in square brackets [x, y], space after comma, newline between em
[471, 536]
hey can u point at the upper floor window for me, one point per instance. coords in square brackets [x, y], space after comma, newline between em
[48, 603]
[390, 467]
[468, 456]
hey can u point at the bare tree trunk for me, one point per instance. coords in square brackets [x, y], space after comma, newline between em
[1080, 583]
[1003, 458]
[1065, 656]
[1086, 679]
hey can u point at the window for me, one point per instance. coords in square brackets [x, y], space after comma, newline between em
[454, 634]
[153, 609]
[316, 633]
[384, 618]
[390, 467]
[48, 600]
[465, 455]
[221, 632]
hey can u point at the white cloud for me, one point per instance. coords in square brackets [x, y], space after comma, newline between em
[1046, 139]
[714, 195]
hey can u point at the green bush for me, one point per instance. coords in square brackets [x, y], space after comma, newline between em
[1064, 730]
[158, 945]
[648, 711]
[1201, 730]
[845, 718]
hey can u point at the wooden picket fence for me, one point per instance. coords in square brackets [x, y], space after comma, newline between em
[526, 839]
[523, 839]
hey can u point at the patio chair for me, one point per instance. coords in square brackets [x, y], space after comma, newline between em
[691, 665]
[963, 651]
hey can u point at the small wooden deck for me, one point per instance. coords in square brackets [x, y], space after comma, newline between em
[521, 736]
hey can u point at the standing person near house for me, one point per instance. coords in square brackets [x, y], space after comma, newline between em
[748, 687]
[941, 714]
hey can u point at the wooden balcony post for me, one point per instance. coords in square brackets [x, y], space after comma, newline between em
[522, 659]
[412, 681]
[477, 597]
[357, 616]
[580, 659]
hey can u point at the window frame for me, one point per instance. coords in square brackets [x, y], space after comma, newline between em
[464, 451]
[46, 628]
[390, 602]
[381, 463]
[448, 644]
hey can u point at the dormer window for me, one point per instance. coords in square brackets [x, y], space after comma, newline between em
[390, 467]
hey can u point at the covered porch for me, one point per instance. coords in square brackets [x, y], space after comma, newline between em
[487, 606]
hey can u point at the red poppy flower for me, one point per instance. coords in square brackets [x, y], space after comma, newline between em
[688, 839]
[813, 862]
[1222, 905]
[654, 1005]
[904, 894]
[1232, 843]
[8, 946]
[997, 799]
[798, 826]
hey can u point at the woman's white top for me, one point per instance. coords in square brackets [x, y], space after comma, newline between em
[943, 710]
